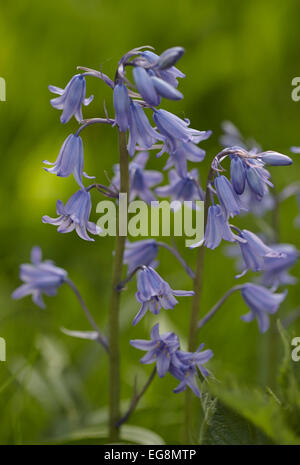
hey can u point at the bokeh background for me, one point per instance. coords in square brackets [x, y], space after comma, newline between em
[239, 62]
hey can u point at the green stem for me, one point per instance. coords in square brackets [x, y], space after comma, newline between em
[218, 305]
[114, 359]
[192, 339]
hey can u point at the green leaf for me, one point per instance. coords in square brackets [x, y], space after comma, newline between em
[129, 434]
[227, 427]
[260, 409]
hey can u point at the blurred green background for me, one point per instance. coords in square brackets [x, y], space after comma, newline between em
[239, 62]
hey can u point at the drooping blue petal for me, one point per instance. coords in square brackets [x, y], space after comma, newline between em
[121, 106]
[238, 174]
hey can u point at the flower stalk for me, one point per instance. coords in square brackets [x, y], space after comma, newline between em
[114, 356]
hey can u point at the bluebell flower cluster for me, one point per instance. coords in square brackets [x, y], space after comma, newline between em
[163, 349]
[137, 97]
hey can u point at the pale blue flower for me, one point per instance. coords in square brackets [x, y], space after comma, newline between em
[141, 180]
[122, 106]
[217, 228]
[140, 130]
[70, 160]
[39, 277]
[169, 75]
[159, 349]
[229, 200]
[276, 269]
[71, 98]
[254, 251]
[145, 86]
[140, 253]
[182, 189]
[75, 215]
[184, 368]
[262, 302]
[155, 293]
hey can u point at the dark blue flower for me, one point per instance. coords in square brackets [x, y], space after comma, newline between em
[140, 253]
[262, 302]
[154, 293]
[184, 368]
[159, 349]
[228, 198]
[71, 98]
[70, 160]
[122, 106]
[217, 228]
[75, 215]
[39, 277]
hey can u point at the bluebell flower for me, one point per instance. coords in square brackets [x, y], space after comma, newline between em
[257, 205]
[262, 302]
[254, 251]
[70, 160]
[276, 269]
[141, 180]
[182, 188]
[275, 158]
[155, 293]
[159, 349]
[229, 200]
[75, 215]
[257, 178]
[173, 127]
[164, 89]
[71, 98]
[184, 368]
[180, 152]
[121, 106]
[238, 174]
[169, 57]
[140, 130]
[145, 86]
[39, 277]
[140, 253]
[217, 228]
[169, 75]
